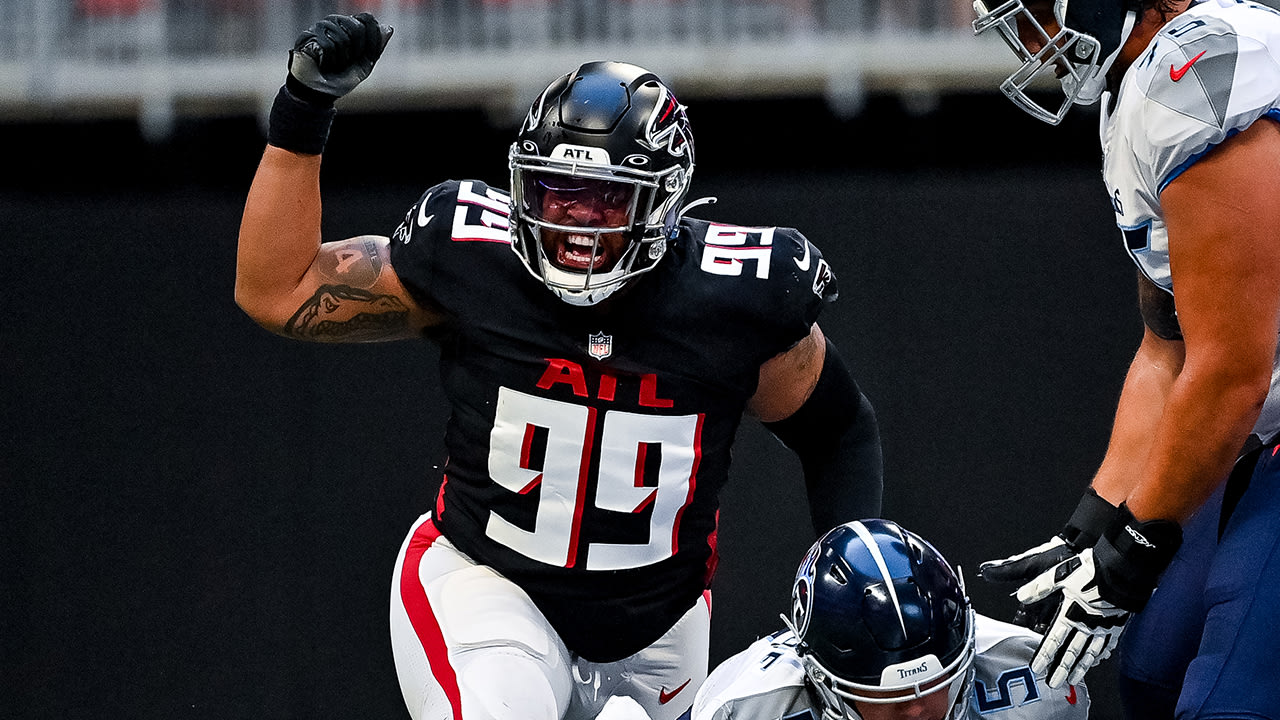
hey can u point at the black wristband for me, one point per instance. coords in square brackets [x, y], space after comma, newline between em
[1090, 520]
[306, 94]
[297, 125]
[1132, 555]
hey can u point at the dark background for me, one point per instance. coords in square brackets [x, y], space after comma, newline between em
[200, 518]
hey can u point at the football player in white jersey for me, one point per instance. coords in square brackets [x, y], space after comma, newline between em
[1188, 494]
[881, 629]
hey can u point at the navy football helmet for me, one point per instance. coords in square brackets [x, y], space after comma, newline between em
[599, 170]
[1075, 41]
[882, 618]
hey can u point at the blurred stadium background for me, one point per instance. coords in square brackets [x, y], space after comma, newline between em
[158, 60]
[200, 518]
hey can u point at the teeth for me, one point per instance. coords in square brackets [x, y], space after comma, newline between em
[582, 244]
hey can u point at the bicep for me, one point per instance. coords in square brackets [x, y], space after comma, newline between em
[787, 379]
[351, 293]
[1224, 249]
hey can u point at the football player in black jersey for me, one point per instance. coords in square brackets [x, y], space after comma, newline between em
[598, 351]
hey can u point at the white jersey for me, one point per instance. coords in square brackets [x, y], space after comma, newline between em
[1208, 74]
[767, 682]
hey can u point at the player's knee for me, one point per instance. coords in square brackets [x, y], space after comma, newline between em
[510, 685]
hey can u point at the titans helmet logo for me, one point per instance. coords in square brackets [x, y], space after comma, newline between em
[802, 594]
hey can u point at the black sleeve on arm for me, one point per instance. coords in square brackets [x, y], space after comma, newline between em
[838, 440]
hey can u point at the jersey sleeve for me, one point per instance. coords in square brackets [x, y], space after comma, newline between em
[763, 682]
[430, 249]
[807, 281]
[772, 279]
[1204, 82]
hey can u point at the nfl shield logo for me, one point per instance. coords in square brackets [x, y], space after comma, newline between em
[600, 346]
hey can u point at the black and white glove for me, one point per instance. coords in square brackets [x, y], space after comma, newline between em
[328, 60]
[337, 53]
[1095, 591]
[1092, 516]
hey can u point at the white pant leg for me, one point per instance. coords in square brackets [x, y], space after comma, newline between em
[468, 643]
[662, 678]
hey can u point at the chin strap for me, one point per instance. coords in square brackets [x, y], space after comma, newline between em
[1092, 88]
[694, 204]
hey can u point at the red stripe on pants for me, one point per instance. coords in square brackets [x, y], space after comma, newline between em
[423, 619]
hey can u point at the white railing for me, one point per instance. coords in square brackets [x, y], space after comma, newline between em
[158, 59]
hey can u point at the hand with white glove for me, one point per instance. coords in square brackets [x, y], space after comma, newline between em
[1091, 518]
[1095, 592]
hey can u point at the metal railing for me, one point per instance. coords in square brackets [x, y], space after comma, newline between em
[160, 59]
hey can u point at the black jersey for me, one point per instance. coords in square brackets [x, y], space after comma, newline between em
[587, 445]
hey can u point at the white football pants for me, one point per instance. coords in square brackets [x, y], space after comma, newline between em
[470, 645]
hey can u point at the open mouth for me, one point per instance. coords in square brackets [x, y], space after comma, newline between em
[573, 252]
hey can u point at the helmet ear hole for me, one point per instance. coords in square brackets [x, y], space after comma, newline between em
[837, 574]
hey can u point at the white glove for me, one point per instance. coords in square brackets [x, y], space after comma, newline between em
[1085, 628]
[1090, 519]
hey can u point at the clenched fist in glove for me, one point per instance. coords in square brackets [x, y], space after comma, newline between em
[1089, 521]
[337, 53]
[327, 61]
[1095, 591]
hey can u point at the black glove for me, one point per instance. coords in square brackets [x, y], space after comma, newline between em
[1096, 591]
[1092, 516]
[327, 61]
[333, 56]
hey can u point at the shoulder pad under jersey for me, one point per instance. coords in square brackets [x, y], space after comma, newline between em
[453, 213]
[763, 682]
[773, 276]
[1207, 75]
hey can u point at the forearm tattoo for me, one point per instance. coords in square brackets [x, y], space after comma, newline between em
[348, 310]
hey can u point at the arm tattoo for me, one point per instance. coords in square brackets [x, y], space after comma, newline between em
[341, 313]
[1158, 310]
[356, 262]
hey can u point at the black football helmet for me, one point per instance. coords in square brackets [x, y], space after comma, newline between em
[608, 135]
[881, 618]
[1079, 51]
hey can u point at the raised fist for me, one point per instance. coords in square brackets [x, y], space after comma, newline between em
[337, 53]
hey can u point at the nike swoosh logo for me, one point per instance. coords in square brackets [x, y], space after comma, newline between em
[803, 263]
[1175, 74]
[423, 217]
[664, 697]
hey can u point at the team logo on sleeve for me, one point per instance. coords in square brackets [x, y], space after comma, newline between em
[823, 279]
[599, 345]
